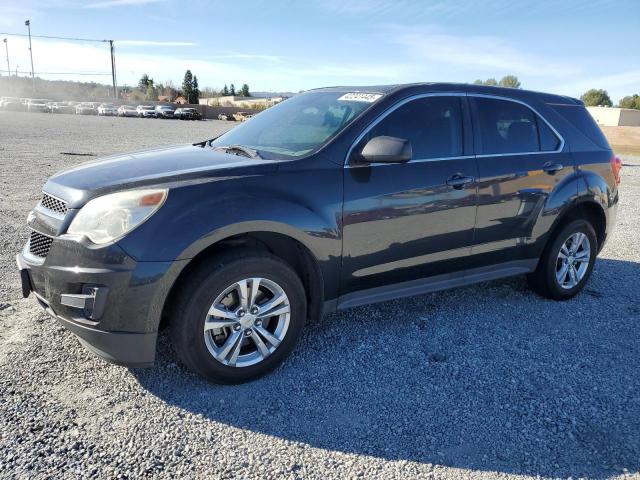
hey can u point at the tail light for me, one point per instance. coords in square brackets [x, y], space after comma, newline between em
[616, 166]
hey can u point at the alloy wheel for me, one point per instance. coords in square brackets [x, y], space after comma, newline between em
[573, 260]
[247, 322]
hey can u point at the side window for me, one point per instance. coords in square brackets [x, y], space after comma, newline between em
[548, 140]
[510, 127]
[433, 125]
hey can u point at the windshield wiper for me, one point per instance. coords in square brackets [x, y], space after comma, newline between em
[248, 152]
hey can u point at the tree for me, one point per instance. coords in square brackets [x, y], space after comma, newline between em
[225, 91]
[631, 101]
[507, 81]
[232, 90]
[144, 82]
[151, 94]
[187, 86]
[510, 81]
[194, 90]
[596, 98]
[244, 91]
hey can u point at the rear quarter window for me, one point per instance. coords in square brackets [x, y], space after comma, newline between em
[580, 118]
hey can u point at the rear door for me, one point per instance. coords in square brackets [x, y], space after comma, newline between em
[411, 220]
[520, 163]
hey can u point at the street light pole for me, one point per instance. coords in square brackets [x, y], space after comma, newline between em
[113, 69]
[33, 78]
[6, 47]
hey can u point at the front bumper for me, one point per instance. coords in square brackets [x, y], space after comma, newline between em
[121, 325]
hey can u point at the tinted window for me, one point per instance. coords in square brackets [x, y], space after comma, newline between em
[433, 125]
[505, 127]
[580, 118]
[548, 140]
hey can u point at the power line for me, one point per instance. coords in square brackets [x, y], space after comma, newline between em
[58, 73]
[55, 38]
[74, 39]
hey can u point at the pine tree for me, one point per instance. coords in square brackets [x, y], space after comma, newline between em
[225, 91]
[244, 91]
[195, 92]
[187, 86]
[232, 90]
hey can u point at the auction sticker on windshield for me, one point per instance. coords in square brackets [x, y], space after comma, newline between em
[360, 97]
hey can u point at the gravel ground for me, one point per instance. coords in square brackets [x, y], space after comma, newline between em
[489, 381]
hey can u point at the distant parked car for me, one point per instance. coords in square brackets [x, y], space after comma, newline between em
[146, 111]
[64, 107]
[49, 107]
[164, 111]
[224, 116]
[187, 114]
[86, 108]
[127, 111]
[107, 109]
[239, 116]
[10, 103]
[37, 105]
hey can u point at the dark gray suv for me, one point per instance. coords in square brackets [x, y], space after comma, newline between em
[334, 198]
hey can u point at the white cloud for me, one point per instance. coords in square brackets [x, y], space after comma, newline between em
[477, 53]
[248, 56]
[119, 3]
[617, 84]
[154, 43]
[290, 74]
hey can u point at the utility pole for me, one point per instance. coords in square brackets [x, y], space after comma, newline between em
[113, 69]
[33, 78]
[6, 47]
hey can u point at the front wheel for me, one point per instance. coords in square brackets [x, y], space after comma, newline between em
[566, 265]
[238, 316]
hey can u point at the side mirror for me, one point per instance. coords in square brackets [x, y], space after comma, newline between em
[385, 149]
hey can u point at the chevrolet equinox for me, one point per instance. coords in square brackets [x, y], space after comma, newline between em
[334, 198]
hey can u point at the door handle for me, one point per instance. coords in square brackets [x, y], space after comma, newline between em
[458, 181]
[552, 168]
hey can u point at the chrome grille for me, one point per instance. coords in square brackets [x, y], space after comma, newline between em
[53, 204]
[39, 244]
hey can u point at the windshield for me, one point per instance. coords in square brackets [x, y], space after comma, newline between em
[300, 125]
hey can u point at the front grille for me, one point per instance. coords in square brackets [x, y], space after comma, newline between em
[53, 204]
[39, 244]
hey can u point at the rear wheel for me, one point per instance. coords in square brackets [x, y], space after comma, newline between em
[238, 316]
[566, 265]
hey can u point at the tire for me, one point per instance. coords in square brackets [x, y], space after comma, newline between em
[544, 280]
[209, 281]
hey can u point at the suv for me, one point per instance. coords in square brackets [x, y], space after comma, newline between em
[334, 198]
[37, 105]
[187, 114]
[86, 108]
[107, 109]
[164, 111]
[146, 111]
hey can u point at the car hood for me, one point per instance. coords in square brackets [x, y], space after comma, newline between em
[157, 166]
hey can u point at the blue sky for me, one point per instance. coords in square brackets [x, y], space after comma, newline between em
[561, 46]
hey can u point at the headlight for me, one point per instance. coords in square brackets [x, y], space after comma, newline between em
[107, 218]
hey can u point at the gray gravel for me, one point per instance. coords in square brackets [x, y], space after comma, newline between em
[489, 381]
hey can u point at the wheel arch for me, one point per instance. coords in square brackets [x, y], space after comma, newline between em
[286, 247]
[588, 209]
